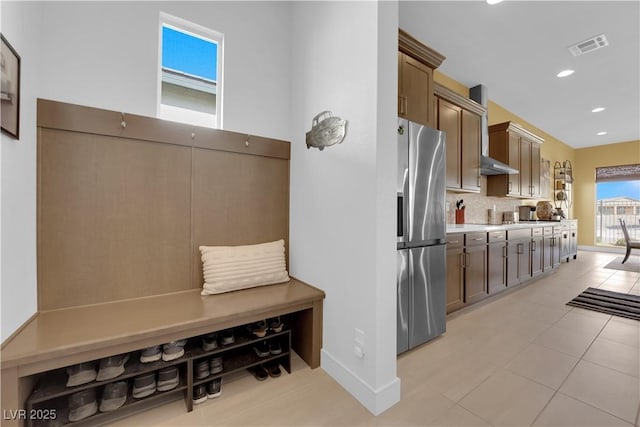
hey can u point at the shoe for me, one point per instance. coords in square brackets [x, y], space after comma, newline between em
[168, 378]
[215, 365]
[259, 372]
[275, 324]
[144, 385]
[173, 350]
[202, 369]
[199, 394]
[274, 347]
[151, 354]
[113, 396]
[273, 369]
[227, 337]
[111, 367]
[262, 349]
[210, 342]
[260, 329]
[214, 388]
[82, 404]
[81, 373]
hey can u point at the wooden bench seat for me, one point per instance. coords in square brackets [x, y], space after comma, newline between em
[59, 338]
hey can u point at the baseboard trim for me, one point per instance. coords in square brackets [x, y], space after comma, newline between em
[602, 249]
[375, 400]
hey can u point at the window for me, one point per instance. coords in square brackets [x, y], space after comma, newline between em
[190, 73]
[617, 199]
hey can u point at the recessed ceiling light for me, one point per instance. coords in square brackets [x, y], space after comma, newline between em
[601, 133]
[492, 2]
[565, 73]
[598, 109]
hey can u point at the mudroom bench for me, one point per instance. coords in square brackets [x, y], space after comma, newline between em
[55, 339]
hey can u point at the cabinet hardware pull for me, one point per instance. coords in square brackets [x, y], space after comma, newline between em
[466, 259]
[406, 105]
[461, 260]
[453, 242]
[478, 238]
[400, 105]
[533, 246]
[510, 185]
[520, 248]
[504, 252]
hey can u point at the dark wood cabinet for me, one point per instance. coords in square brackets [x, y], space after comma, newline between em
[519, 148]
[537, 252]
[449, 119]
[416, 63]
[415, 90]
[455, 272]
[460, 119]
[497, 262]
[475, 267]
[518, 256]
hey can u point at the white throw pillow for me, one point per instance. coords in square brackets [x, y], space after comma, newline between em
[229, 268]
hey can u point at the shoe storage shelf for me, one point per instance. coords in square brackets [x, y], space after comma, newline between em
[50, 397]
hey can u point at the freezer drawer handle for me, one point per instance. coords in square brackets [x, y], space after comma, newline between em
[400, 231]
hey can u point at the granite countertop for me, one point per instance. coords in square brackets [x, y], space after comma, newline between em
[470, 228]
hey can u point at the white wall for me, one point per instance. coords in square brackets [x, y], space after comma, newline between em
[342, 218]
[20, 26]
[105, 54]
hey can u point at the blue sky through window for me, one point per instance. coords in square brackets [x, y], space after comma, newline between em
[189, 54]
[607, 190]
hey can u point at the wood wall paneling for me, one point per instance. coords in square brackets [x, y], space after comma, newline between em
[123, 210]
[114, 218]
[237, 200]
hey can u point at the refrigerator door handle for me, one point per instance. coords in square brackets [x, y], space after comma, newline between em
[400, 230]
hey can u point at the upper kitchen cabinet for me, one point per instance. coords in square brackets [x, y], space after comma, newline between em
[520, 149]
[460, 118]
[416, 63]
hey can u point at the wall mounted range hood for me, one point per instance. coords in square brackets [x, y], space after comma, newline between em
[488, 165]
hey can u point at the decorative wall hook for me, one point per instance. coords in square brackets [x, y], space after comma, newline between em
[326, 131]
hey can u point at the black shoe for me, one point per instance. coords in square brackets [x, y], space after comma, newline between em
[274, 347]
[210, 342]
[261, 349]
[273, 369]
[199, 394]
[214, 388]
[202, 369]
[259, 372]
[226, 337]
[275, 324]
[215, 365]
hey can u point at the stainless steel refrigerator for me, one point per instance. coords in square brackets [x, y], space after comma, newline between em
[421, 275]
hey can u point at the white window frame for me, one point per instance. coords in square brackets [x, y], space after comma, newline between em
[184, 115]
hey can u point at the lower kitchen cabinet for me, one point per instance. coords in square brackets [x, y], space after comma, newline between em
[536, 251]
[550, 248]
[475, 267]
[518, 256]
[455, 272]
[569, 245]
[497, 261]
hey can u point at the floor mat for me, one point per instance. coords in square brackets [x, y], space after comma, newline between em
[632, 264]
[609, 302]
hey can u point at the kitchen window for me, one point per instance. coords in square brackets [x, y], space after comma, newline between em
[190, 73]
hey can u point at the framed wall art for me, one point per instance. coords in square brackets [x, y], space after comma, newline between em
[10, 89]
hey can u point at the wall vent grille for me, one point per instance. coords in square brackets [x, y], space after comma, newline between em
[589, 45]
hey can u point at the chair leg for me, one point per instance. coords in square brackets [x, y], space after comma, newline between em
[626, 256]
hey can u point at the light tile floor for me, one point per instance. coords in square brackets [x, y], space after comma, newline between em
[524, 358]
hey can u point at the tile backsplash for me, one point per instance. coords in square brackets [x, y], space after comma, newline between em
[478, 205]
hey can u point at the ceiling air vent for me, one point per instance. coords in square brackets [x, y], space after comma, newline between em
[589, 45]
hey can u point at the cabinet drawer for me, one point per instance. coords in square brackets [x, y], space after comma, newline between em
[455, 241]
[472, 239]
[519, 234]
[497, 236]
[536, 231]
